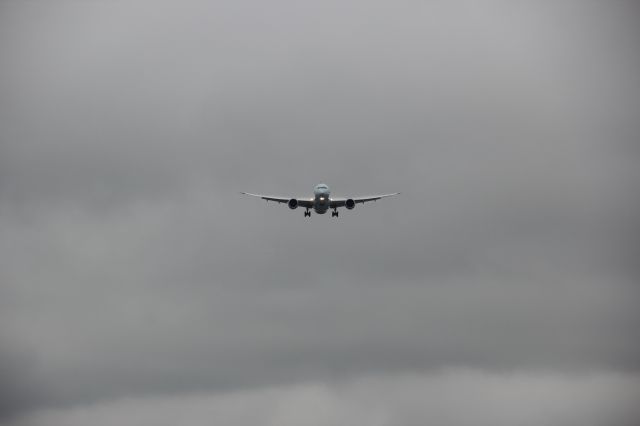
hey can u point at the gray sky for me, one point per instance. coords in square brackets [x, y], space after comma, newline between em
[138, 287]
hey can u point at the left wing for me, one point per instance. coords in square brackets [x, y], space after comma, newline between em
[302, 202]
[341, 202]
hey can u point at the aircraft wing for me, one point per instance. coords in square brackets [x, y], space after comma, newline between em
[302, 202]
[341, 202]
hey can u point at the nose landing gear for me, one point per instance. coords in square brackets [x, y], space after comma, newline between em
[334, 213]
[307, 213]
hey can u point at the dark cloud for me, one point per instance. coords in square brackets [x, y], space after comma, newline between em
[17, 390]
[131, 266]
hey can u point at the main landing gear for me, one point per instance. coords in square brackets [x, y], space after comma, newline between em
[334, 213]
[307, 213]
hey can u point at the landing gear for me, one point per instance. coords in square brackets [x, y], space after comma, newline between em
[334, 213]
[307, 213]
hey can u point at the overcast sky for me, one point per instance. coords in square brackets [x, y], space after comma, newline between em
[138, 287]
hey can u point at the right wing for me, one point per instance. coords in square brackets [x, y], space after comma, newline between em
[340, 202]
[302, 202]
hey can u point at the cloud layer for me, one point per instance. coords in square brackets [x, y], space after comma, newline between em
[460, 398]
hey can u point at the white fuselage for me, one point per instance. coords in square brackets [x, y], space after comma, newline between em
[321, 201]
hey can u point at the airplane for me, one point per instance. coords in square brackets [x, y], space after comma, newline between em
[321, 201]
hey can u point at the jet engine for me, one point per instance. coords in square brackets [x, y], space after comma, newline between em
[350, 204]
[293, 203]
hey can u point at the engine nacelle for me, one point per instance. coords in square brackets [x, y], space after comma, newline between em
[293, 204]
[350, 204]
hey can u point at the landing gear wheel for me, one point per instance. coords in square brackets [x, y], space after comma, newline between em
[334, 213]
[307, 214]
